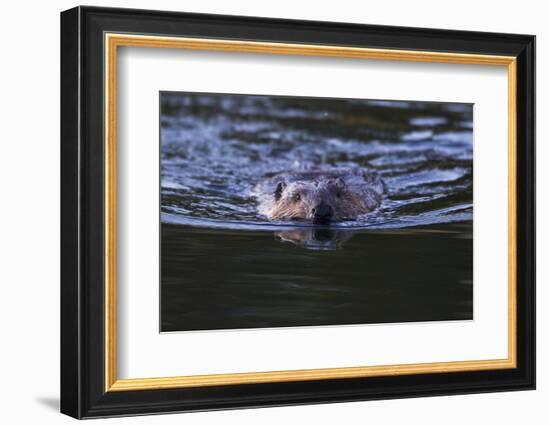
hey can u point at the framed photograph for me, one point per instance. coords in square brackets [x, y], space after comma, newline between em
[261, 212]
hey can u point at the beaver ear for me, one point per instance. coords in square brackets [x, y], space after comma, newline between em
[279, 191]
[340, 183]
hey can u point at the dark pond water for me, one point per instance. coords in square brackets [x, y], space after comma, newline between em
[223, 266]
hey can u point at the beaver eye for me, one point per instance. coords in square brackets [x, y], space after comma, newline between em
[296, 197]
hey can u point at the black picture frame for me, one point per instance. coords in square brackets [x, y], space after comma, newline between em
[83, 392]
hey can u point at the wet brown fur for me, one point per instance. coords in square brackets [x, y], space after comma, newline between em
[293, 196]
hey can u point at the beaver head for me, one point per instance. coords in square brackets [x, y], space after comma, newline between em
[319, 200]
[320, 196]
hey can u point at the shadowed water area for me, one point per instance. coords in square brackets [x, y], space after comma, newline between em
[223, 266]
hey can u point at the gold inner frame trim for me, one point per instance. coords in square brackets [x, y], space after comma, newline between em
[113, 41]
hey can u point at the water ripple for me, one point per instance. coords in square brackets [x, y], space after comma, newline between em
[215, 148]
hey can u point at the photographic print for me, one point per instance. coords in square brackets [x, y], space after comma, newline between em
[301, 211]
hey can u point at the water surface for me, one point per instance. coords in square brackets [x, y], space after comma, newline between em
[223, 266]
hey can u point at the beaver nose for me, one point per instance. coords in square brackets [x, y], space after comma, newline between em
[322, 213]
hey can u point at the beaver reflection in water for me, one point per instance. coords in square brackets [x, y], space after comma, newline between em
[319, 238]
[320, 196]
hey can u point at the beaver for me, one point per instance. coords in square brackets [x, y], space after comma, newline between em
[320, 196]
